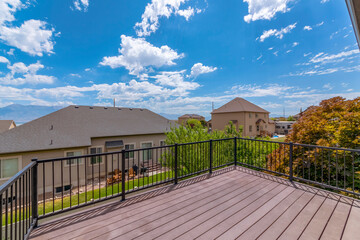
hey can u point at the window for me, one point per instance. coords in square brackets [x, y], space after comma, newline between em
[73, 161]
[257, 128]
[60, 189]
[162, 143]
[96, 159]
[256, 115]
[9, 167]
[289, 126]
[249, 115]
[129, 154]
[265, 126]
[147, 154]
[250, 128]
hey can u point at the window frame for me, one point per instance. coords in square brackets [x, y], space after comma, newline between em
[66, 163]
[142, 155]
[127, 155]
[163, 140]
[19, 159]
[101, 157]
[250, 128]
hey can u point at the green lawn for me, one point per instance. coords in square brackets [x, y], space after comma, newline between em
[102, 192]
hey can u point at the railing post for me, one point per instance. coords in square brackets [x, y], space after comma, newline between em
[34, 193]
[123, 175]
[291, 162]
[176, 164]
[235, 151]
[210, 156]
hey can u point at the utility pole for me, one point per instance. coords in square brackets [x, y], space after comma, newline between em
[114, 103]
[212, 106]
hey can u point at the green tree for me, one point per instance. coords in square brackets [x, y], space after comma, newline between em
[290, 118]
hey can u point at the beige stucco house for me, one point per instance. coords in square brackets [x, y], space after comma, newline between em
[184, 118]
[80, 130]
[254, 119]
[6, 125]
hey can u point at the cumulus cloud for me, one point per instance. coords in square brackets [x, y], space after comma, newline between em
[22, 74]
[308, 28]
[33, 36]
[260, 91]
[198, 69]
[277, 33]
[81, 5]
[136, 55]
[265, 9]
[161, 8]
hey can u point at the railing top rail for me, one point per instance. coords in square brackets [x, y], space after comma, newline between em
[9, 182]
[330, 148]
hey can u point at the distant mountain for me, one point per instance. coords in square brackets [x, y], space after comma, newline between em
[25, 113]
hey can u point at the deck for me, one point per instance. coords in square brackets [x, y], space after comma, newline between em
[240, 204]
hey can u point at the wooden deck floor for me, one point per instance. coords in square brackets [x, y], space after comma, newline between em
[241, 204]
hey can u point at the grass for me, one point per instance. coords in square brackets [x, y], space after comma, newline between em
[89, 195]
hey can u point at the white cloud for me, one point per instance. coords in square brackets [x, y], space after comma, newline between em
[324, 1]
[81, 5]
[277, 33]
[136, 55]
[288, 51]
[258, 58]
[186, 13]
[161, 8]
[259, 91]
[199, 68]
[265, 9]
[327, 58]
[276, 53]
[295, 44]
[271, 48]
[308, 28]
[328, 86]
[4, 60]
[21, 74]
[320, 24]
[11, 51]
[75, 75]
[32, 36]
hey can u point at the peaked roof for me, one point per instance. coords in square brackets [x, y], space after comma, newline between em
[5, 125]
[74, 126]
[239, 105]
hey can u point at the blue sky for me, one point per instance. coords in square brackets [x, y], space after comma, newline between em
[177, 56]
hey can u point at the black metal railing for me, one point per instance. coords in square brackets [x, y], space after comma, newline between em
[48, 187]
[19, 204]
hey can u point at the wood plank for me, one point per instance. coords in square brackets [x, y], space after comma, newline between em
[317, 225]
[173, 228]
[352, 229]
[337, 222]
[77, 229]
[255, 229]
[124, 224]
[214, 220]
[241, 226]
[299, 224]
[274, 231]
[236, 216]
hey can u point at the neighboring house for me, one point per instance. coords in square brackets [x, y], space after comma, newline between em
[80, 130]
[184, 118]
[283, 127]
[254, 119]
[6, 125]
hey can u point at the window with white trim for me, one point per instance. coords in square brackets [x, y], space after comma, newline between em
[96, 159]
[73, 161]
[9, 167]
[162, 143]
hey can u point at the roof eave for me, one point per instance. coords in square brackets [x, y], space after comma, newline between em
[354, 11]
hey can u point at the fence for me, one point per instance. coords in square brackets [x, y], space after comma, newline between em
[48, 187]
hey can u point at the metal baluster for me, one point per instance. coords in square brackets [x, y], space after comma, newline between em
[62, 185]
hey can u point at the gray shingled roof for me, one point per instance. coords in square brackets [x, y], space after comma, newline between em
[5, 125]
[74, 126]
[239, 105]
